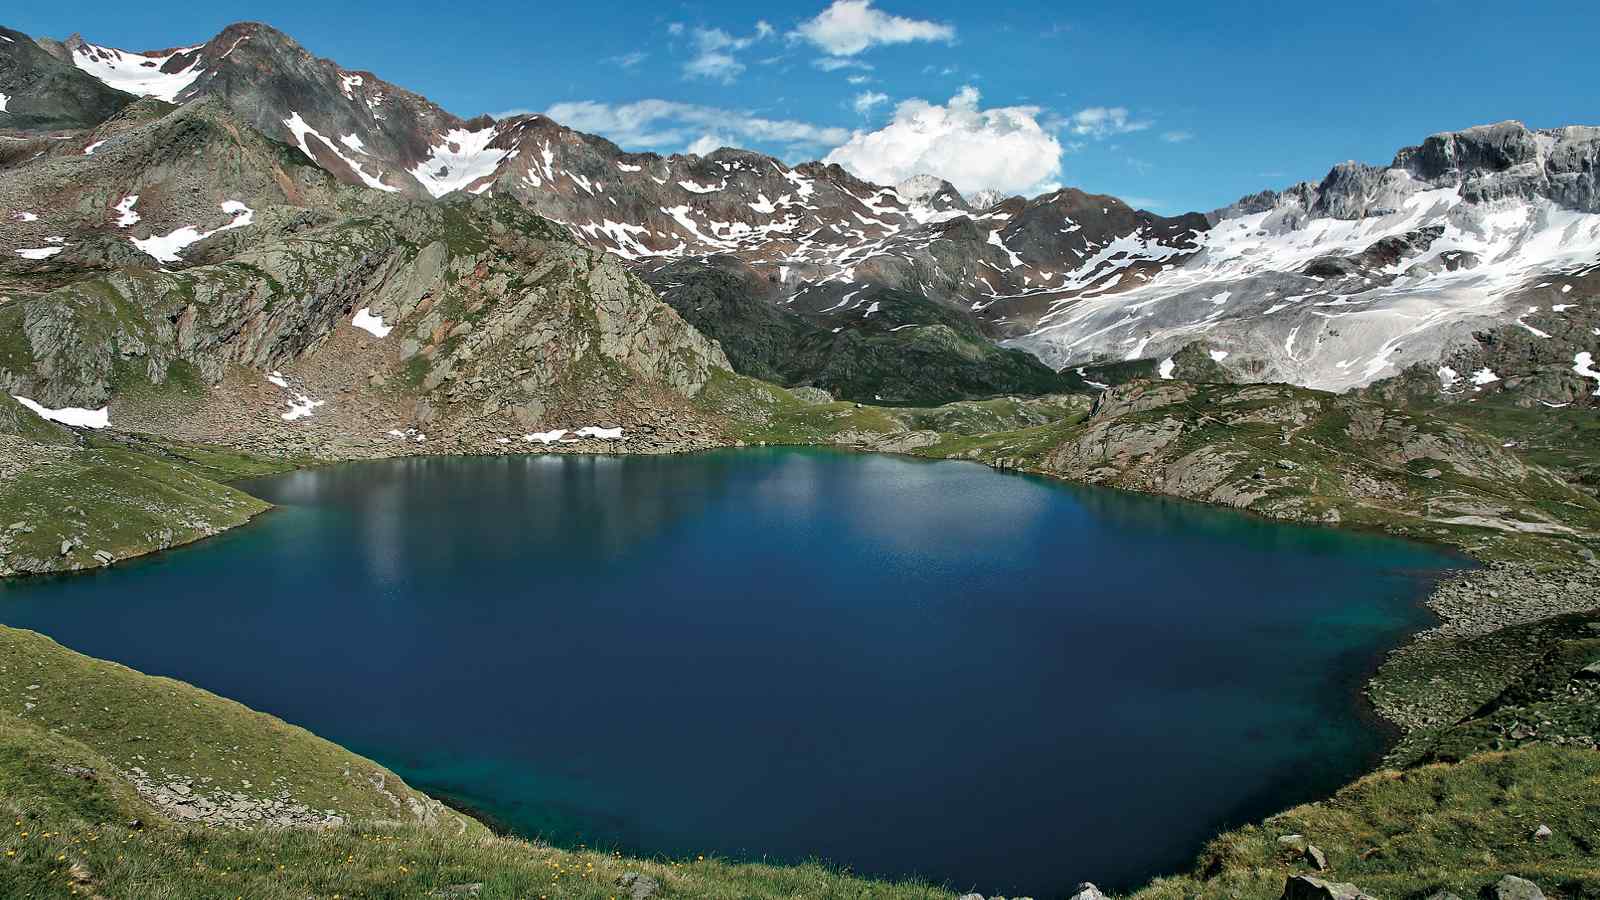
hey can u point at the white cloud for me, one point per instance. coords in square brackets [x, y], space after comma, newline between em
[714, 52]
[714, 65]
[866, 100]
[629, 60]
[1003, 148]
[706, 144]
[834, 64]
[1103, 121]
[848, 27]
[1177, 137]
[654, 124]
[713, 58]
[859, 79]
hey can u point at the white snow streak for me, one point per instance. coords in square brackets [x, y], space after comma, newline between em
[74, 416]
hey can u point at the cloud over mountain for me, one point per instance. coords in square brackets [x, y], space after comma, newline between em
[1001, 149]
[669, 124]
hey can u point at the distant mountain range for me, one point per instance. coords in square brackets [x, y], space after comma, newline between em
[1332, 284]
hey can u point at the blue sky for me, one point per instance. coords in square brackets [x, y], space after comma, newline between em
[1171, 105]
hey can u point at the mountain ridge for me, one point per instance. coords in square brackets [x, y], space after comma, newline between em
[1333, 284]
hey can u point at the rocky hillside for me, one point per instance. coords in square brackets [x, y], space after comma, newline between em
[41, 92]
[255, 300]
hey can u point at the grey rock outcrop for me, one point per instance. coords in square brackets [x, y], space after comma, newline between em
[639, 887]
[1304, 887]
[1511, 887]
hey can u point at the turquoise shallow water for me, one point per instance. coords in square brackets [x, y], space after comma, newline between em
[906, 667]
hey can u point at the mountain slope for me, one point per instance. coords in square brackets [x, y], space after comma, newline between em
[42, 93]
[1344, 282]
[1334, 284]
[297, 315]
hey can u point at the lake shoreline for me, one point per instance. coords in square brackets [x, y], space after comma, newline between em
[945, 508]
[1452, 617]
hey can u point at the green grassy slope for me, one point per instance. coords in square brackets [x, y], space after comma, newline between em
[1410, 833]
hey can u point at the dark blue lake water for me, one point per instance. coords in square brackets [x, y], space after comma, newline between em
[904, 667]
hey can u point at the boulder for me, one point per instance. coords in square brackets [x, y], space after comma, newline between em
[1304, 887]
[639, 887]
[1511, 888]
[1087, 891]
[1295, 842]
[1316, 858]
[811, 396]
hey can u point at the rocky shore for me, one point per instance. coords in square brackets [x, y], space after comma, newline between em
[1446, 672]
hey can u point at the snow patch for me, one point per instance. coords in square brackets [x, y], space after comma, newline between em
[545, 437]
[603, 434]
[78, 417]
[1583, 364]
[138, 73]
[370, 323]
[126, 217]
[169, 247]
[300, 129]
[300, 407]
[1167, 367]
[460, 159]
[38, 252]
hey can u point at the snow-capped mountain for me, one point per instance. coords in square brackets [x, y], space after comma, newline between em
[1340, 283]
[1332, 284]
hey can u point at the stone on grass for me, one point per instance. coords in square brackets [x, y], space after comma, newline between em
[639, 887]
[1511, 888]
[1316, 858]
[1304, 887]
[1087, 891]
